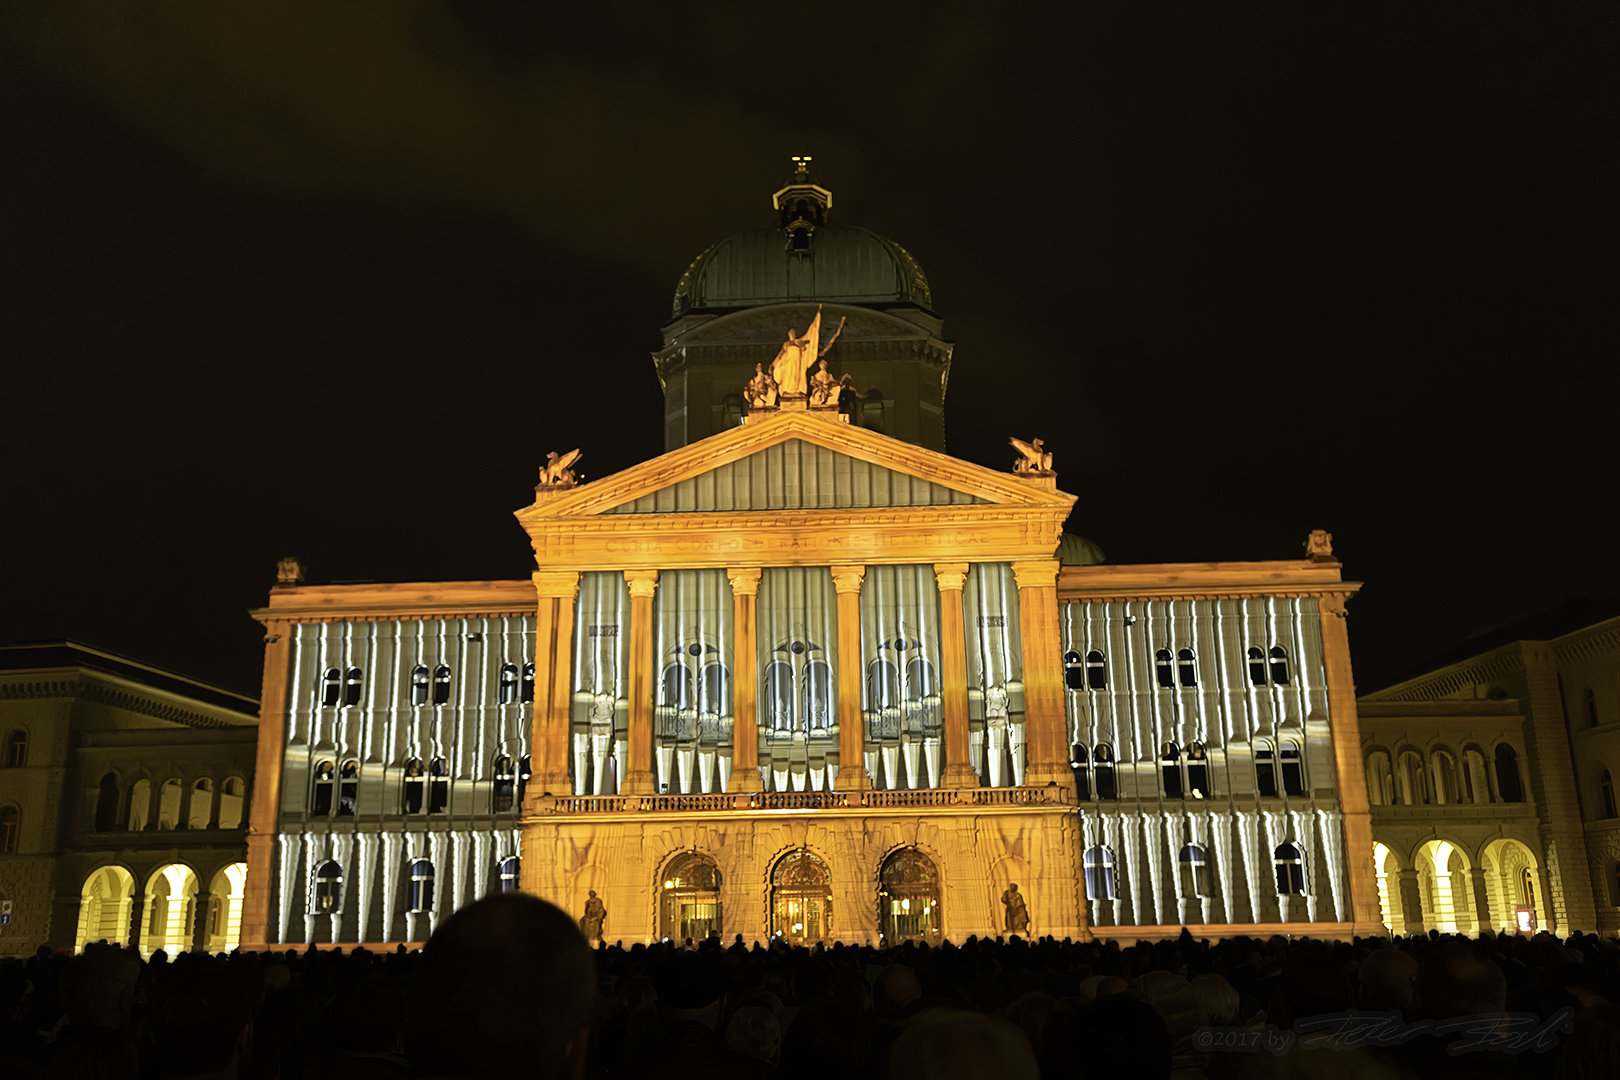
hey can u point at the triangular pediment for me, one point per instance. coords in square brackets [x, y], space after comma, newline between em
[794, 461]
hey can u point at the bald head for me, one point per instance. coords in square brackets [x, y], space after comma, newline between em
[504, 993]
[1385, 980]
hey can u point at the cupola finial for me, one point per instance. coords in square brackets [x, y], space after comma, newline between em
[802, 204]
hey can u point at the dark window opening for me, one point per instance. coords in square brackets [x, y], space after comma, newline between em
[527, 691]
[441, 685]
[1161, 664]
[511, 874]
[107, 804]
[1082, 774]
[1293, 771]
[1074, 673]
[419, 686]
[438, 787]
[1257, 666]
[1508, 784]
[421, 887]
[321, 804]
[1265, 773]
[17, 750]
[523, 777]
[509, 684]
[353, 684]
[1197, 771]
[1099, 870]
[1170, 768]
[1606, 786]
[1195, 875]
[413, 786]
[10, 826]
[1184, 661]
[328, 888]
[504, 784]
[1096, 670]
[1290, 872]
[1592, 709]
[1279, 665]
[332, 688]
[1104, 757]
[349, 789]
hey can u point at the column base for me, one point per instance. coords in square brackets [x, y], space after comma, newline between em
[853, 779]
[638, 784]
[959, 775]
[745, 781]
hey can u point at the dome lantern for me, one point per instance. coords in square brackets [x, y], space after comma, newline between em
[803, 205]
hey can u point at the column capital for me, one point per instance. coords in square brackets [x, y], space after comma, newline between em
[744, 580]
[642, 583]
[1036, 573]
[951, 576]
[847, 579]
[554, 584]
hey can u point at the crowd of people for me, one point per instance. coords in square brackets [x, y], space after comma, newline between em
[508, 989]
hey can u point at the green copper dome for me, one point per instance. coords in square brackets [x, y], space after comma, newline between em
[842, 264]
[1075, 550]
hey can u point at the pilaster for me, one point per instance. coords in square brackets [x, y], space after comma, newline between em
[638, 777]
[555, 591]
[745, 680]
[264, 797]
[852, 775]
[951, 578]
[1046, 723]
[1351, 769]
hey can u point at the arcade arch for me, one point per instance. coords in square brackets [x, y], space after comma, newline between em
[104, 907]
[801, 898]
[1512, 880]
[171, 898]
[689, 898]
[908, 898]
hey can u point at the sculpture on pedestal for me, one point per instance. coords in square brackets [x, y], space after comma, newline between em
[761, 391]
[595, 918]
[1017, 913]
[1032, 460]
[1319, 545]
[793, 360]
[556, 473]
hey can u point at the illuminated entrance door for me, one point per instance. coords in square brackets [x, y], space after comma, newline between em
[691, 898]
[908, 898]
[801, 898]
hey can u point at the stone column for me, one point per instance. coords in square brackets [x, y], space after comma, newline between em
[265, 805]
[1482, 901]
[1349, 765]
[744, 680]
[953, 655]
[638, 776]
[852, 775]
[137, 914]
[1046, 723]
[203, 903]
[1411, 902]
[555, 591]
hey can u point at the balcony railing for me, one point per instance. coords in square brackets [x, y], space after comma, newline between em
[919, 799]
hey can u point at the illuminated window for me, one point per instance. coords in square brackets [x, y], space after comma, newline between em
[438, 786]
[9, 827]
[17, 749]
[321, 803]
[413, 786]
[1096, 670]
[1293, 772]
[441, 684]
[328, 895]
[1170, 769]
[527, 691]
[421, 887]
[1290, 871]
[1195, 875]
[504, 784]
[419, 685]
[1161, 664]
[511, 874]
[353, 684]
[348, 789]
[1184, 662]
[1082, 774]
[1074, 672]
[1104, 757]
[1257, 666]
[1279, 665]
[1265, 771]
[1197, 771]
[1099, 870]
[1606, 787]
[332, 688]
[509, 684]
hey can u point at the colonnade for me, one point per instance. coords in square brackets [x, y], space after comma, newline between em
[1045, 720]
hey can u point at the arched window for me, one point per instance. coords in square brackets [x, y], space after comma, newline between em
[1380, 779]
[332, 688]
[1591, 708]
[1099, 869]
[1476, 788]
[1170, 769]
[677, 687]
[320, 803]
[1527, 888]
[1164, 670]
[1265, 771]
[17, 749]
[1508, 783]
[328, 895]
[140, 804]
[10, 825]
[501, 799]
[419, 685]
[1606, 788]
[1445, 778]
[883, 684]
[1096, 670]
[231, 797]
[1074, 672]
[1414, 778]
[524, 772]
[511, 873]
[107, 804]
[508, 692]
[1197, 771]
[1290, 871]
[1195, 875]
[1184, 663]
[421, 886]
[202, 803]
[169, 804]
[1082, 773]
[349, 789]
[413, 786]
[526, 692]
[353, 684]
[1257, 666]
[1279, 665]
[921, 682]
[1293, 771]
[438, 786]
[1105, 771]
[441, 684]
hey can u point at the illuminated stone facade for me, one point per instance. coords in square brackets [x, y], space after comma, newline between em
[806, 675]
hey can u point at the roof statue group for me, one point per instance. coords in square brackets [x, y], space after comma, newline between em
[790, 381]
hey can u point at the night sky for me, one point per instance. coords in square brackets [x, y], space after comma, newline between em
[283, 279]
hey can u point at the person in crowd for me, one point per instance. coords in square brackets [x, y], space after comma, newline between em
[201, 1026]
[1384, 981]
[954, 1045]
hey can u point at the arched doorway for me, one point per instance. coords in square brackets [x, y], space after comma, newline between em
[801, 898]
[1446, 888]
[225, 908]
[1512, 882]
[908, 898]
[171, 895]
[104, 907]
[691, 898]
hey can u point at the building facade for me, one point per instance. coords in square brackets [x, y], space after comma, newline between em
[1491, 780]
[804, 675]
[123, 803]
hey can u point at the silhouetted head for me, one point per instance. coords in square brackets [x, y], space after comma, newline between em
[1454, 979]
[199, 1025]
[949, 1045]
[1385, 979]
[98, 986]
[503, 992]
